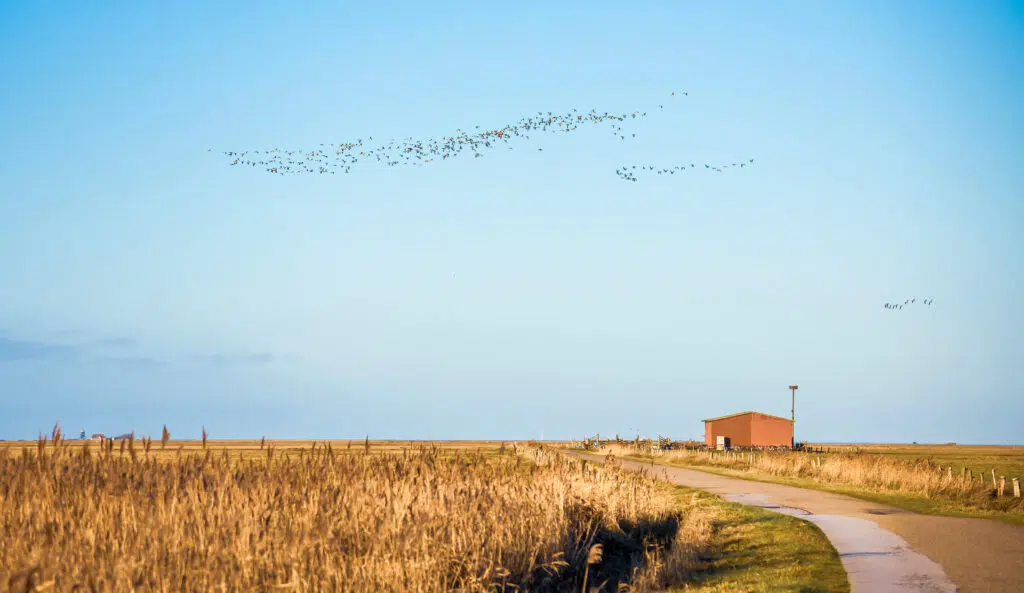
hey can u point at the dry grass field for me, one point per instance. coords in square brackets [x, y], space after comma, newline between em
[1005, 460]
[373, 517]
[958, 483]
[256, 448]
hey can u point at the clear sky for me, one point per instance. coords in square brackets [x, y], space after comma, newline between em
[144, 281]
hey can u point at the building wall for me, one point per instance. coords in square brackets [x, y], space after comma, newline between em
[771, 432]
[750, 430]
[736, 428]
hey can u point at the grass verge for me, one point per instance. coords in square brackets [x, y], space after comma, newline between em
[759, 551]
[754, 550]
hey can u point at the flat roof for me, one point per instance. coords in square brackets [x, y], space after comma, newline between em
[747, 412]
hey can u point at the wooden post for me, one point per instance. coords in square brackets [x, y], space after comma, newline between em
[949, 472]
[1002, 485]
[993, 478]
[1016, 487]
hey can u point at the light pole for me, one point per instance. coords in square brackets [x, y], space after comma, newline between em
[792, 411]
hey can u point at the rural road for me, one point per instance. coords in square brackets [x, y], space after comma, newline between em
[882, 548]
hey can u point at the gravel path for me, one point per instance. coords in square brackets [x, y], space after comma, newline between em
[883, 548]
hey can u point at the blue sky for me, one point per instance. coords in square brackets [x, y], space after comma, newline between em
[144, 281]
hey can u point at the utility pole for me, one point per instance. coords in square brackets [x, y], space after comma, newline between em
[792, 411]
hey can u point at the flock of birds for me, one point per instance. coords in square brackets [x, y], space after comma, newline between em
[907, 303]
[629, 173]
[335, 158]
[341, 158]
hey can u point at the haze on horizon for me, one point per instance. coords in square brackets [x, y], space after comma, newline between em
[146, 282]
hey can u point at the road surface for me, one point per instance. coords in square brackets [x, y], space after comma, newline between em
[882, 548]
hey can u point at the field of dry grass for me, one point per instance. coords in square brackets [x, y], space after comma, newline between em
[1004, 460]
[256, 448]
[916, 483]
[140, 516]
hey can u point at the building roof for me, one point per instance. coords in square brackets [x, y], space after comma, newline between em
[745, 413]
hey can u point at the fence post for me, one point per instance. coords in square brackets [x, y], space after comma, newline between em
[994, 479]
[1016, 488]
[1002, 485]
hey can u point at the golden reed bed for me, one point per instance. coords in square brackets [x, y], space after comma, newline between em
[122, 518]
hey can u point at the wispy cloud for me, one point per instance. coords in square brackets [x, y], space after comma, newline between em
[115, 343]
[15, 350]
[226, 360]
[137, 362]
[120, 351]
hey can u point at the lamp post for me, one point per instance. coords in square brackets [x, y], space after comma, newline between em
[792, 411]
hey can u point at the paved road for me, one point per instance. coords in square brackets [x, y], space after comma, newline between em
[978, 555]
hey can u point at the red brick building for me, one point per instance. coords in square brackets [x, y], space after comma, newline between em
[749, 429]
